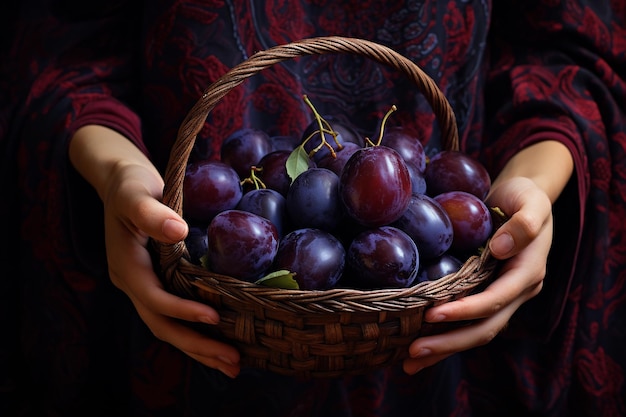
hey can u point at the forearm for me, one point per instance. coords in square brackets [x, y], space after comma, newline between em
[549, 164]
[98, 153]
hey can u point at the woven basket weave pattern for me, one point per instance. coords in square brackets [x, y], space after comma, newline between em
[312, 333]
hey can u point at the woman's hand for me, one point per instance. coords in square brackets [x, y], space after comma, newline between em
[525, 240]
[525, 190]
[130, 188]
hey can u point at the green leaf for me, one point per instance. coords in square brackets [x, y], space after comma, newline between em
[279, 279]
[297, 163]
[204, 261]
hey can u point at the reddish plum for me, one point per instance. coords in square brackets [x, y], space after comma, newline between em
[273, 171]
[407, 145]
[470, 217]
[337, 162]
[456, 171]
[375, 186]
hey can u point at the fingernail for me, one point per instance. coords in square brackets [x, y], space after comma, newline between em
[436, 318]
[226, 360]
[421, 353]
[411, 368]
[416, 370]
[502, 244]
[208, 320]
[228, 373]
[174, 229]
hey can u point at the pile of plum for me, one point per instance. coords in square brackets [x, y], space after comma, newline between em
[335, 209]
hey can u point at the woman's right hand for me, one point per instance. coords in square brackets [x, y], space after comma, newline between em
[131, 188]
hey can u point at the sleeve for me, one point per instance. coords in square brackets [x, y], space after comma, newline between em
[65, 63]
[77, 61]
[554, 73]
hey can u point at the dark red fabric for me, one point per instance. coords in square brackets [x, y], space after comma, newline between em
[515, 73]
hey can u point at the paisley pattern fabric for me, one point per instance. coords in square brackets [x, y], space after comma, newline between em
[514, 73]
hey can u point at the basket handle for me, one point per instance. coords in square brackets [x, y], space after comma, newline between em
[192, 124]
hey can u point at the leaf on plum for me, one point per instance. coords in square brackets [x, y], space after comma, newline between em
[204, 261]
[279, 279]
[297, 163]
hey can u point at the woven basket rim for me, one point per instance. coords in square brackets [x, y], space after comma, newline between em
[349, 299]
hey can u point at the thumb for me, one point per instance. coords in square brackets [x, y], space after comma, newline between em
[501, 243]
[531, 213]
[158, 220]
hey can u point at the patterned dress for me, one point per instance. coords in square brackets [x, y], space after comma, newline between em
[514, 73]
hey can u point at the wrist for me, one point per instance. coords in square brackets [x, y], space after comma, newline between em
[98, 153]
[549, 164]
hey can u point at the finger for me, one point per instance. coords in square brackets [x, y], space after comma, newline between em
[428, 350]
[412, 366]
[146, 288]
[202, 348]
[517, 232]
[531, 213]
[208, 351]
[157, 220]
[131, 270]
[223, 366]
[136, 199]
[505, 290]
[519, 277]
[157, 299]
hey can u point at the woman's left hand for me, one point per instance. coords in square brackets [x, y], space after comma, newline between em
[523, 242]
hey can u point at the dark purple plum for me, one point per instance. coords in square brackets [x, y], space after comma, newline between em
[197, 243]
[244, 148]
[284, 143]
[470, 217]
[313, 200]
[383, 257]
[407, 145]
[456, 171]
[437, 268]
[428, 224]
[348, 229]
[337, 162]
[241, 244]
[375, 186]
[316, 258]
[274, 171]
[266, 203]
[418, 179]
[347, 131]
[209, 187]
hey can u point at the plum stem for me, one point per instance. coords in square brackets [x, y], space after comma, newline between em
[384, 121]
[322, 129]
[254, 179]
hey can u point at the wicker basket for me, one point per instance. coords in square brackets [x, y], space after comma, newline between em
[312, 333]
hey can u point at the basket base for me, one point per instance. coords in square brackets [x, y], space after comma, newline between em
[325, 350]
